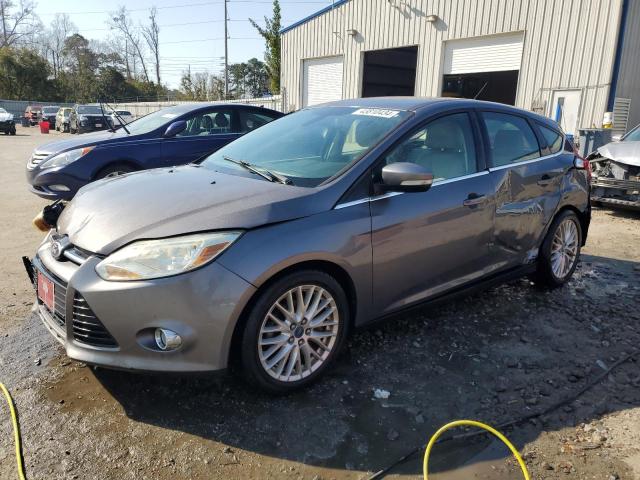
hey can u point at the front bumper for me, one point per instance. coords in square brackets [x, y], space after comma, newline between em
[41, 179]
[616, 192]
[8, 126]
[202, 306]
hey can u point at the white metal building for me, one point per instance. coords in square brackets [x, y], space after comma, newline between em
[571, 60]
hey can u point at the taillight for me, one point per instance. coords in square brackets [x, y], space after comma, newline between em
[582, 164]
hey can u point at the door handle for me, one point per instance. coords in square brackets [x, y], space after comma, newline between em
[474, 199]
[545, 180]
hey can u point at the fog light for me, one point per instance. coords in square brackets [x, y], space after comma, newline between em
[167, 339]
[59, 188]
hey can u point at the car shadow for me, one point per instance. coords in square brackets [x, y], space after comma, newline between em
[493, 356]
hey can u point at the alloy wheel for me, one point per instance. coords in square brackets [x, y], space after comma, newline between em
[298, 333]
[564, 248]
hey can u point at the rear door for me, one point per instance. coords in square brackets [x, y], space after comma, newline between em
[206, 132]
[429, 242]
[527, 180]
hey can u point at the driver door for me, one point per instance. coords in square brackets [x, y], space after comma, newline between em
[425, 243]
[206, 132]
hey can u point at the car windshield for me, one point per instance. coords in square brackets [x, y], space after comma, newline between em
[312, 145]
[89, 109]
[49, 110]
[154, 120]
[633, 135]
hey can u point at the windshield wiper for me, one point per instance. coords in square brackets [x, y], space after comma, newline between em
[118, 117]
[263, 172]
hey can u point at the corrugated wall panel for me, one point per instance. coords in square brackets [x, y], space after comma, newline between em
[629, 72]
[567, 44]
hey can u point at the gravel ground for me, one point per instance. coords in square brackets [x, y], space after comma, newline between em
[494, 356]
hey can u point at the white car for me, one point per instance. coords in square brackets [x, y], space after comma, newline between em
[124, 115]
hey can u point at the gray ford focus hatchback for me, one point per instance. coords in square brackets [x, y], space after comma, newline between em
[272, 250]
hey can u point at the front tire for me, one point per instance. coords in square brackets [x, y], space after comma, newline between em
[560, 250]
[294, 331]
[114, 170]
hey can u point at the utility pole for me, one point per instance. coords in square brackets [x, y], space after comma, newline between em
[226, 54]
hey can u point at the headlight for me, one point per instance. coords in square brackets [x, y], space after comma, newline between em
[67, 157]
[82, 118]
[148, 259]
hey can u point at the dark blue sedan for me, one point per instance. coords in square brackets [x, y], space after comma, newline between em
[172, 136]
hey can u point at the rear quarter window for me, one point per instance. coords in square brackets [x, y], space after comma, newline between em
[553, 139]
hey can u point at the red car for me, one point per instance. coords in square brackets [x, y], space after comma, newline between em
[33, 113]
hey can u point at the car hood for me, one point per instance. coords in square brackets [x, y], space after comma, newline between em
[5, 116]
[83, 140]
[622, 152]
[110, 213]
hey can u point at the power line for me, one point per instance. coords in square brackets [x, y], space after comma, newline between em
[285, 2]
[210, 39]
[172, 25]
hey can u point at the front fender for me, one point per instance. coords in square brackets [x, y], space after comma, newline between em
[341, 237]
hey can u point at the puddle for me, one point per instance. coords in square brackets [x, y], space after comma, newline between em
[465, 460]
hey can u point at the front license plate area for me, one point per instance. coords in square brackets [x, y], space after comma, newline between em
[46, 291]
[98, 125]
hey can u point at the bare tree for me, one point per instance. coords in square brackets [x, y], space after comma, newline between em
[120, 22]
[151, 34]
[18, 22]
[54, 40]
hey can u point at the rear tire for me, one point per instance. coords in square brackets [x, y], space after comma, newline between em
[307, 339]
[560, 250]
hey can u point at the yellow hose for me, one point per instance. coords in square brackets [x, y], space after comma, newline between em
[16, 431]
[470, 423]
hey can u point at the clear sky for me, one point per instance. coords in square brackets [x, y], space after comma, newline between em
[191, 31]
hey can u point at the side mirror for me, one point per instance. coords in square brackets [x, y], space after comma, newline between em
[616, 138]
[405, 177]
[175, 128]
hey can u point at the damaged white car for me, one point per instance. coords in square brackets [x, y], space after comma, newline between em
[616, 172]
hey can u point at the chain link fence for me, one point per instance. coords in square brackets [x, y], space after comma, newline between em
[139, 109]
[17, 107]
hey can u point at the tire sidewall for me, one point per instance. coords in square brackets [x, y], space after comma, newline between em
[116, 167]
[547, 269]
[249, 345]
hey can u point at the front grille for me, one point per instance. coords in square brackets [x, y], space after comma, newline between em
[36, 159]
[60, 295]
[86, 326]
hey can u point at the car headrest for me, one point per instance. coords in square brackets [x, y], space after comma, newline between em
[445, 136]
[508, 143]
[207, 123]
[366, 135]
[221, 120]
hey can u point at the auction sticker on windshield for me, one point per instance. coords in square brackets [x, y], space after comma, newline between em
[376, 112]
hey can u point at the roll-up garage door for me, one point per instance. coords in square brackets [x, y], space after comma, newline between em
[322, 80]
[485, 68]
[493, 53]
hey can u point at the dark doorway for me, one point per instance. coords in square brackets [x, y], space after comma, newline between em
[491, 86]
[390, 72]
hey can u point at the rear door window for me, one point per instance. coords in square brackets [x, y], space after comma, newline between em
[511, 139]
[553, 139]
[250, 120]
[216, 122]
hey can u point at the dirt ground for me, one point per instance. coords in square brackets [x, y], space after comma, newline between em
[494, 356]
